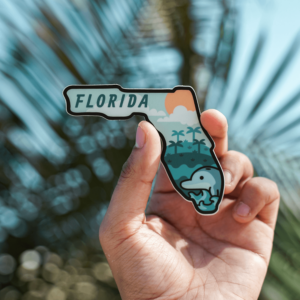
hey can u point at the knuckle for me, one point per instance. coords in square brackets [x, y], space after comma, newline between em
[117, 234]
[237, 156]
[239, 159]
[263, 188]
[276, 190]
[111, 231]
[128, 170]
[245, 162]
[133, 172]
[256, 187]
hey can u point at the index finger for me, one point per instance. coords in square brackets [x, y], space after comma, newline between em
[216, 125]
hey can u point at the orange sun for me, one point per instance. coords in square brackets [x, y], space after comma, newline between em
[180, 97]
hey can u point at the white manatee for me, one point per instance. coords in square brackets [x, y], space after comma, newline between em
[205, 178]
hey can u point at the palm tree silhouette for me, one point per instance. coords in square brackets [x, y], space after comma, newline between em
[178, 133]
[199, 143]
[175, 145]
[193, 130]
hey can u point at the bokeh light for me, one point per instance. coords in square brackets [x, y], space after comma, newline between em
[7, 266]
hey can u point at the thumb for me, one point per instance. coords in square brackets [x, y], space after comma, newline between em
[131, 194]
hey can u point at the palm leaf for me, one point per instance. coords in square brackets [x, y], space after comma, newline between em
[287, 105]
[287, 60]
[249, 72]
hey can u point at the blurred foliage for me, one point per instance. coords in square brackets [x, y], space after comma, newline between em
[58, 172]
[267, 132]
[283, 277]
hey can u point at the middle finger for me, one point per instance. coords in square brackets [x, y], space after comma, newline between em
[237, 170]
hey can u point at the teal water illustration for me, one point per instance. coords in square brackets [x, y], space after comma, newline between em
[194, 170]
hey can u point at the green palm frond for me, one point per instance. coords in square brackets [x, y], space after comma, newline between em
[283, 273]
[190, 130]
[193, 130]
[178, 132]
[281, 69]
[249, 72]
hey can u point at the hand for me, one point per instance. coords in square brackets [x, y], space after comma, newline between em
[175, 253]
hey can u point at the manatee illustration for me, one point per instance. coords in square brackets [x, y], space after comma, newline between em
[208, 181]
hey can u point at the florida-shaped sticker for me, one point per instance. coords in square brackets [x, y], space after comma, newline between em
[188, 150]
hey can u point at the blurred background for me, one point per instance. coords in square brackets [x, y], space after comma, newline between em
[58, 172]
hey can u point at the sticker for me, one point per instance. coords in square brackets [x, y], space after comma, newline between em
[188, 150]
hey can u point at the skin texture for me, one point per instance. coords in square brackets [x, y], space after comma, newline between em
[172, 252]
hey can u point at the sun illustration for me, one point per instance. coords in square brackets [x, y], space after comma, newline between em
[180, 97]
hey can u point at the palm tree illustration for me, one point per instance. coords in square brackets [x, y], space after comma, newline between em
[175, 145]
[193, 130]
[199, 143]
[178, 133]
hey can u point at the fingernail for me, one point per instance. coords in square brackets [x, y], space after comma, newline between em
[140, 138]
[227, 177]
[243, 209]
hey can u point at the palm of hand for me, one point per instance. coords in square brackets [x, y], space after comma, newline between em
[175, 253]
[211, 257]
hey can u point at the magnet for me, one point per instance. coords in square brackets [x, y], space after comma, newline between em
[188, 150]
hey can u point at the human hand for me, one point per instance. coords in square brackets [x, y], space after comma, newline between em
[175, 253]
